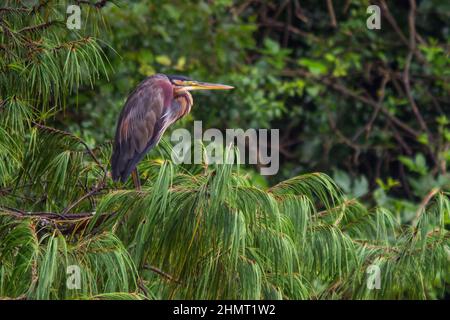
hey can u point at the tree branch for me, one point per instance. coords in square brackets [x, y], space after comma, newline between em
[423, 206]
[78, 139]
[99, 4]
[161, 273]
[333, 21]
[406, 80]
[348, 92]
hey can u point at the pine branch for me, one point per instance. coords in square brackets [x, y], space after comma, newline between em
[422, 207]
[94, 191]
[40, 27]
[78, 139]
[161, 273]
[99, 4]
[20, 214]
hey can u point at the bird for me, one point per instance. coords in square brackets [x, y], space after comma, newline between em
[156, 103]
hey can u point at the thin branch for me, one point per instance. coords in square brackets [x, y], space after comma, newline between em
[400, 139]
[367, 244]
[238, 11]
[11, 9]
[406, 80]
[389, 17]
[78, 139]
[346, 6]
[368, 127]
[348, 92]
[39, 26]
[330, 7]
[423, 206]
[20, 214]
[287, 24]
[21, 297]
[99, 4]
[94, 191]
[279, 25]
[161, 273]
[142, 287]
[342, 137]
[299, 12]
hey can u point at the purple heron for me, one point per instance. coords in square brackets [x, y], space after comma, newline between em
[156, 103]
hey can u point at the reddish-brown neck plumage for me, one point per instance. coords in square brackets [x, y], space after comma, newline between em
[184, 98]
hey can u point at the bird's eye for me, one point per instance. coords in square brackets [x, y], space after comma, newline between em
[184, 83]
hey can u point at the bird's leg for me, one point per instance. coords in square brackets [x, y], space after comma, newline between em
[136, 181]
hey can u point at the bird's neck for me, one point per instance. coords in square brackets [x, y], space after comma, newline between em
[185, 101]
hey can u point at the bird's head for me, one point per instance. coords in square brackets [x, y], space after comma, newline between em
[182, 83]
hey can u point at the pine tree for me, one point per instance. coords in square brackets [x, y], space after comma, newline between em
[193, 232]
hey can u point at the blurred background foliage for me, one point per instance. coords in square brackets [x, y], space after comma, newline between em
[369, 107]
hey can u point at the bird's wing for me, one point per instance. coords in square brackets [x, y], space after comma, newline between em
[141, 124]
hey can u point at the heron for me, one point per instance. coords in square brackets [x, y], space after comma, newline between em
[156, 103]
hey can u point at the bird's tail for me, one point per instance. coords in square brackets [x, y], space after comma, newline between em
[115, 170]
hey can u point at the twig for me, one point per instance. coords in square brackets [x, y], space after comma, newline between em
[333, 21]
[406, 79]
[279, 25]
[39, 26]
[11, 9]
[98, 5]
[161, 273]
[368, 127]
[287, 24]
[78, 139]
[387, 14]
[98, 188]
[45, 215]
[400, 140]
[342, 137]
[142, 287]
[412, 47]
[21, 297]
[368, 245]
[348, 92]
[242, 7]
[346, 6]
[64, 223]
[422, 207]
[299, 12]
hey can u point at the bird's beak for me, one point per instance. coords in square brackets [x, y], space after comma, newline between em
[195, 85]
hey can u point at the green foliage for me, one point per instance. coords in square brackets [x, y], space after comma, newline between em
[338, 94]
[216, 236]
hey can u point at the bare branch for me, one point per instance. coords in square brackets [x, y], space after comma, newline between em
[333, 21]
[406, 80]
[161, 273]
[348, 92]
[423, 206]
[381, 93]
